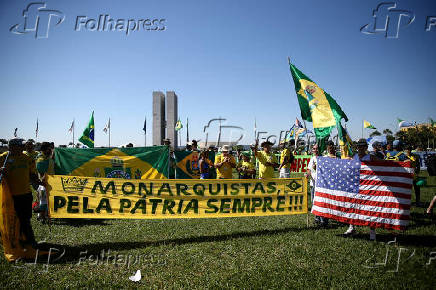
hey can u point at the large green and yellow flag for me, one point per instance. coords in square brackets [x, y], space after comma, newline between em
[128, 163]
[316, 105]
[88, 134]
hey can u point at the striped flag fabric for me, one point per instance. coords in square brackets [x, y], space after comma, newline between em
[367, 193]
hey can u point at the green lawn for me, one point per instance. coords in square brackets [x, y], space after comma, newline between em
[255, 252]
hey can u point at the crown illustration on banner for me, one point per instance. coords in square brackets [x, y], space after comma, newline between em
[117, 162]
[73, 184]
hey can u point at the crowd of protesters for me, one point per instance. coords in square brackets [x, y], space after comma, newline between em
[26, 166]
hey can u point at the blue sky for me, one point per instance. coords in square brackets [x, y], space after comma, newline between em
[222, 58]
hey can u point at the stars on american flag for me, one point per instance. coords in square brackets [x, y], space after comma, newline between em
[339, 174]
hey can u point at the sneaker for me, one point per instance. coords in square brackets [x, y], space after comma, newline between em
[372, 235]
[351, 231]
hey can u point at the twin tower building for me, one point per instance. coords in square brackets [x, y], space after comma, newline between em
[165, 116]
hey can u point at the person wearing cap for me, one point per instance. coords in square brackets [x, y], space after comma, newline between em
[19, 172]
[397, 153]
[224, 163]
[362, 155]
[286, 159]
[245, 168]
[267, 160]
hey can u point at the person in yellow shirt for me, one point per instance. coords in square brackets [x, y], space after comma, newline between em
[246, 168]
[267, 160]
[30, 149]
[286, 158]
[224, 163]
[18, 171]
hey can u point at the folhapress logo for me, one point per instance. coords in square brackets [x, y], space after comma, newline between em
[37, 20]
[387, 20]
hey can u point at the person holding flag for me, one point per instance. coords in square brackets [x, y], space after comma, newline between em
[362, 155]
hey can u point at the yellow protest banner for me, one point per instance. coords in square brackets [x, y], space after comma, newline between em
[90, 197]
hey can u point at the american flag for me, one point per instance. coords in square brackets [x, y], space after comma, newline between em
[369, 193]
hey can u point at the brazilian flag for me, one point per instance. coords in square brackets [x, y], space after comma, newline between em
[88, 134]
[316, 106]
[128, 163]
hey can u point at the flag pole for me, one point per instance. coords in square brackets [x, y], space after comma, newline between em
[362, 129]
[187, 130]
[74, 124]
[219, 134]
[36, 131]
[109, 132]
[255, 129]
[305, 129]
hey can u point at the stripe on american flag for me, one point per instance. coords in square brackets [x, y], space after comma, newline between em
[379, 197]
